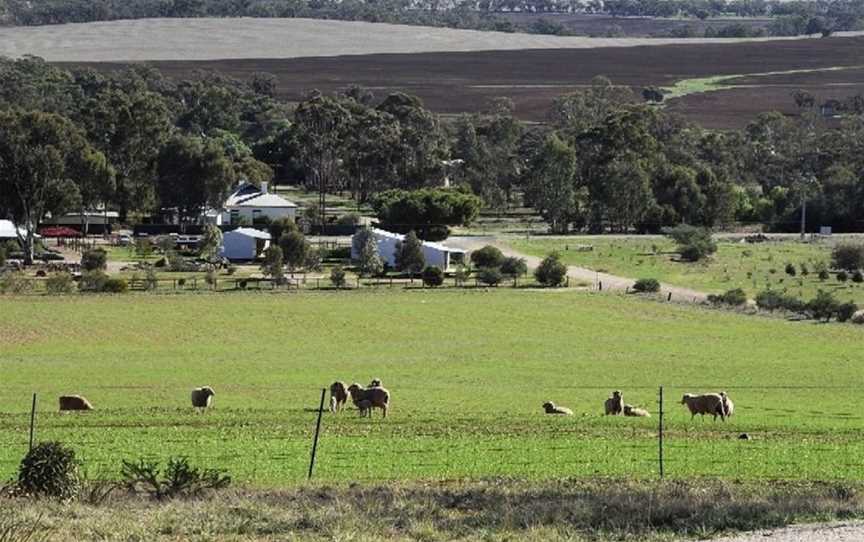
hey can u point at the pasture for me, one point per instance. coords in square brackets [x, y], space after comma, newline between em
[468, 371]
[751, 267]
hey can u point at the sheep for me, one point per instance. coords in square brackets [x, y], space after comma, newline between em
[551, 408]
[376, 383]
[365, 407]
[202, 397]
[74, 402]
[614, 404]
[376, 397]
[728, 406]
[338, 396]
[630, 410]
[709, 403]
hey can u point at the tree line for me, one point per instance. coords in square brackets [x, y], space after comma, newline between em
[141, 143]
[791, 18]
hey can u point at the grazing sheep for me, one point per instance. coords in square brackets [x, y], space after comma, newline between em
[630, 410]
[743, 436]
[376, 397]
[728, 406]
[709, 403]
[615, 404]
[365, 408]
[74, 402]
[338, 396]
[202, 397]
[550, 408]
[376, 383]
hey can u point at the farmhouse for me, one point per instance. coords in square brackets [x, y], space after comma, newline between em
[248, 204]
[435, 254]
[244, 244]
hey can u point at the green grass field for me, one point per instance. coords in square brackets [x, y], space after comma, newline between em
[735, 265]
[468, 371]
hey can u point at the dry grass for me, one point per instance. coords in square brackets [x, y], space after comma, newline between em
[214, 39]
[484, 510]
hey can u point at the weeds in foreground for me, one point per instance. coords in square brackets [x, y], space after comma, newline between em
[179, 479]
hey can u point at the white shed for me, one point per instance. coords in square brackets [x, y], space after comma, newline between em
[248, 203]
[244, 244]
[436, 254]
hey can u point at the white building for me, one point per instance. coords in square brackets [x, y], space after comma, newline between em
[9, 231]
[244, 244]
[436, 254]
[248, 203]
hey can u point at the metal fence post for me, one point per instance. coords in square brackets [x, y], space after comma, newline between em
[660, 433]
[317, 431]
[32, 420]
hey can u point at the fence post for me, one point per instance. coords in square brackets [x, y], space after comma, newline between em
[660, 433]
[32, 420]
[669, 297]
[599, 285]
[317, 431]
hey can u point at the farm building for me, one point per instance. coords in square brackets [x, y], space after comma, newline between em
[244, 244]
[9, 231]
[248, 203]
[435, 254]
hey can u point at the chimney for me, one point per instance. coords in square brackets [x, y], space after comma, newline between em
[264, 188]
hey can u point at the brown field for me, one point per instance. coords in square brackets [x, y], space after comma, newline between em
[456, 82]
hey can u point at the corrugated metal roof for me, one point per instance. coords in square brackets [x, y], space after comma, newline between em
[262, 200]
[250, 232]
[430, 244]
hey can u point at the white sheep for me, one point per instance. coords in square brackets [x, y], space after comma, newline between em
[708, 403]
[376, 397]
[727, 405]
[202, 397]
[74, 402]
[552, 408]
[614, 405]
[630, 410]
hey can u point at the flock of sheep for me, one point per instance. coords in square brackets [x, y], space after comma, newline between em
[376, 396]
[713, 404]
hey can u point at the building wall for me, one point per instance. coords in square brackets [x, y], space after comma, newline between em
[387, 252]
[236, 246]
[273, 213]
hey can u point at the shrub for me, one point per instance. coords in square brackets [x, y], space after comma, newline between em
[313, 260]
[858, 277]
[823, 306]
[433, 276]
[463, 273]
[337, 276]
[349, 219]
[92, 260]
[514, 267]
[273, 263]
[823, 274]
[51, 470]
[370, 262]
[848, 256]
[772, 300]
[92, 281]
[115, 286]
[804, 270]
[693, 243]
[151, 281]
[491, 276]
[845, 311]
[14, 282]
[487, 256]
[210, 277]
[178, 480]
[551, 271]
[60, 283]
[735, 298]
[842, 276]
[646, 286]
[790, 270]
[143, 247]
[294, 248]
[409, 254]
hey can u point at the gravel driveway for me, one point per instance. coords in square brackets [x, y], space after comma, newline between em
[850, 531]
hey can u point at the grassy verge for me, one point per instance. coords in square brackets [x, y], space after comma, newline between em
[500, 509]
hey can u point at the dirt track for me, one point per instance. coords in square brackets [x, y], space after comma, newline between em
[822, 532]
[595, 279]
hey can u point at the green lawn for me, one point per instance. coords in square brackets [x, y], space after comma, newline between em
[468, 371]
[753, 267]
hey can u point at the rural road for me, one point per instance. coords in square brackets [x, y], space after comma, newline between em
[852, 531]
[610, 282]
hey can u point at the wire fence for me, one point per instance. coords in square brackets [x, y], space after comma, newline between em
[773, 433]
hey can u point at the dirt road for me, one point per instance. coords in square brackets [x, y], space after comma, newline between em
[595, 279]
[822, 532]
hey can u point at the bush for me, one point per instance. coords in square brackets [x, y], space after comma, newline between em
[858, 277]
[14, 282]
[823, 306]
[50, 470]
[514, 267]
[349, 219]
[463, 273]
[790, 270]
[312, 260]
[551, 271]
[491, 276]
[848, 256]
[115, 286]
[179, 479]
[433, 276]
[693, 243]
[842, 276]
[60, 283]
[487, 256]
[92, 281]
[646, 286]
[92, 260]
[151, 281]
[804, 270]
[846, 311]
[734, 298]
[337, 276]
[771, 300]
[823, 274]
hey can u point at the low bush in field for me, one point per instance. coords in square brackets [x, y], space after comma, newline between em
[337, 276]
[845, 311]
[735, 298]
[514, 267]
[179, 479]
[772, 300]
[551, 271]
[60, 283]
[433, 276]
[487, 256]
[646, 286]
[489, 276]
[14, 282]
[49, 470]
